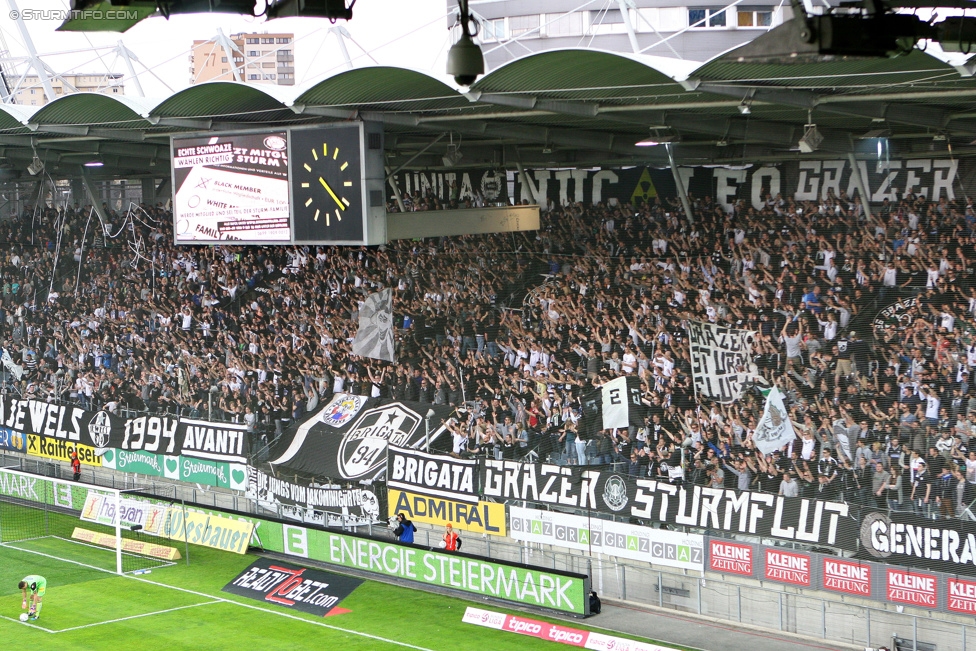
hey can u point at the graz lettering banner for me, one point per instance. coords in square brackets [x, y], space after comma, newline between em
[720, 358]
[598, 536]
[346, 440]
[759, 514]
[169, 435]
[331, 505]
[933, 178]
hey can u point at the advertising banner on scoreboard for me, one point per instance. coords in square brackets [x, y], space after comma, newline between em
[794, 519]
[720, 358]
[597, 536]
[231, 187]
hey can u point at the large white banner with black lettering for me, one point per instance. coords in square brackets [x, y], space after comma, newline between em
[720, 358]
[598, 536]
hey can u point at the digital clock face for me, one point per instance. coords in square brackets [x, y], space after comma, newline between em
[327, 184]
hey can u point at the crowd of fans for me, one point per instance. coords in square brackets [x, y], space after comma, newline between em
[512, 328]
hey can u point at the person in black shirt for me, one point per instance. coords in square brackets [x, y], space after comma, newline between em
[922, 490]
[827, 475]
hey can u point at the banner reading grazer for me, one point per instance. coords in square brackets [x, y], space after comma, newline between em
[720, 359]
[620, 539]
[787, 518]
[529, 586]
[302, 588]
[335, 505]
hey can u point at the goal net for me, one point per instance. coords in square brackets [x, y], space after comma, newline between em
[102, 528]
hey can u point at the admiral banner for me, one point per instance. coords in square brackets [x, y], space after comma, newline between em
[480, 517]
[348, 437]
[596, 536]
[432, 474]
[301, 588]
[329, 504]
[720, 359]
[758, 514]
[224, 442]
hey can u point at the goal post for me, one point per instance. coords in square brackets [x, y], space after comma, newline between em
[89, 525]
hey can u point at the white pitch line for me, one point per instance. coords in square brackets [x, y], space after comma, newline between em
[32, 625]
[288, 615]
[123, 619]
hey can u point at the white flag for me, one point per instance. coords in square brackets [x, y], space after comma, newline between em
[375, 336]
[775, 428]
[16, 369]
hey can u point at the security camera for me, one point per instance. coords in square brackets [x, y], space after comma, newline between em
[465, 61]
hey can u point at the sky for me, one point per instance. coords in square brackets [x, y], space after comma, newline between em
[406, 33]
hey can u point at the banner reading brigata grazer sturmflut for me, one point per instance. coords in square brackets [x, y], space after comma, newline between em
[720, 358]
[718, 509]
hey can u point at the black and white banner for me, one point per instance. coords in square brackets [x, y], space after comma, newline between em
[302, 588]
[164, 434]
[807, 521]
[431, 474]
[616, 404]
[933, 178]
[346, 439]
[309, 502]
[906, 539]
[375, 336]
[720, 359]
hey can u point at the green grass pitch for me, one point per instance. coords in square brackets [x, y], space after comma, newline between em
[182, 607]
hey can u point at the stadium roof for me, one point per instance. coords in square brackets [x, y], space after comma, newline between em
[577, 107]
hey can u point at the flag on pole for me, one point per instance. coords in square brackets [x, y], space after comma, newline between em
[375, 336]
[775, 428]
[616, 404]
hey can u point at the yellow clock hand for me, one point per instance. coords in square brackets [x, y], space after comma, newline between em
[331, 193]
